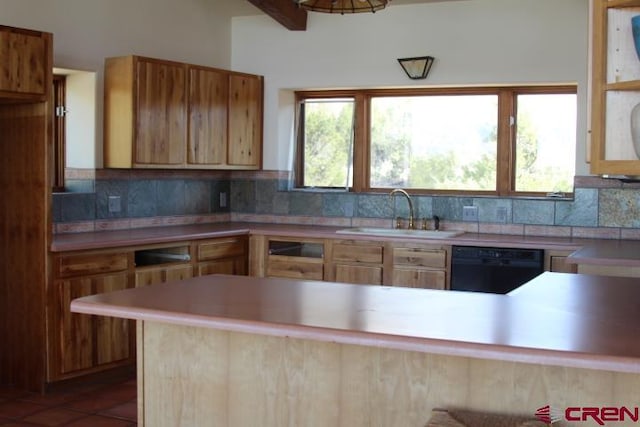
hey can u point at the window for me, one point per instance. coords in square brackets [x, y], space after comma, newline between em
[327, 135]
[495, 141]
[59, 132]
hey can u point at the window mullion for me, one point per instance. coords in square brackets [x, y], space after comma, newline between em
[361, 145]
[505, 175]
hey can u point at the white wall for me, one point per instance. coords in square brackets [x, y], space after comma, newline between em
[81, 120]
[474, 42]
[87, 31]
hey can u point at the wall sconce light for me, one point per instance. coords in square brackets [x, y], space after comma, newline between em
[418, 67]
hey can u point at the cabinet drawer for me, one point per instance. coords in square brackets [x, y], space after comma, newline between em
[225, 248]
[347, 252]
[91, 264]
[435, 258]
[295, 269]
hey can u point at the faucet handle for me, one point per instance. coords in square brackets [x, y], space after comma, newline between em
[436, 222]
[399, 221]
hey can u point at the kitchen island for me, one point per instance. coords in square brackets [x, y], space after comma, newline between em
[241, 351]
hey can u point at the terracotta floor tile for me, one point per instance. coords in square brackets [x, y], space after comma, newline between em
[18, 409]
[8, 392]
[98, 421]
[54, 417]
[52, 398]
[91, 405]
[119, 392]
[128, 411]
[19, 424]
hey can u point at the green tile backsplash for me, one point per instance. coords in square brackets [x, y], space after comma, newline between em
[597, 203]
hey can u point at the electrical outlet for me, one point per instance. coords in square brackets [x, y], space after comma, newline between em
[223, 199]
[470, 213]
[501, 214]
[114, 204]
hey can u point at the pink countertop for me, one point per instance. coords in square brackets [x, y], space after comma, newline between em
[624, 253]
[556, 319]
[588, 251]
[153, 235]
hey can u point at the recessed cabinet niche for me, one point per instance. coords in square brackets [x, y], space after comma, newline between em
[165, 114]
[615, 114]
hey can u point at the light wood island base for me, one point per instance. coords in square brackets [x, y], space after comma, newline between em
[191, 376]
[242, 351]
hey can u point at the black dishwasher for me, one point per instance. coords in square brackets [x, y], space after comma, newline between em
[494, 270]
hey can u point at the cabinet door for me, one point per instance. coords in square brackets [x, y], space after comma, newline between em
[112, 340]
[245, 120]
[236, 266]
[154, 275]
[419, 278]
[86, 341]
[25, 62]
[359, 274]
[208, 94]
[615, 89]
[161, 127]
[559, 264]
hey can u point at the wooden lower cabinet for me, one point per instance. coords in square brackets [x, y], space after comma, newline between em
[83, 343]
[228, 255]
[555, 260]
[236, 266]
[358, 274]
[80, 344]
[420, 265]
[146, 276]
[359, 262]
[419, 278]
[294, 258]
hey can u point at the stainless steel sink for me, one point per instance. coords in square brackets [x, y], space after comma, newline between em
[401, 232]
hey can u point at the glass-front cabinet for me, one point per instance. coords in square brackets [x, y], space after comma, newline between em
[615, 109]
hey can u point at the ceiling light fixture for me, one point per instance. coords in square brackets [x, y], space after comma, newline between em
[342, 6]
[418, 67]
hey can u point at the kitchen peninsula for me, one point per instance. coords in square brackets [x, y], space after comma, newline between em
[243, 351]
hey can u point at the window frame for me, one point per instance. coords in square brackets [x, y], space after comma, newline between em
[506, 132]
[59, 132]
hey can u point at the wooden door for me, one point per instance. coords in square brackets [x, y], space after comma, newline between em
[208, 94]
[161, 126]
[245, 120]
[25, 58]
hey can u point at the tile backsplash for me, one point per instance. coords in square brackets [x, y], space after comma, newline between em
[605, 208]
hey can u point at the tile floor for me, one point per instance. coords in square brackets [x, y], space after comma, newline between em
[106, 403]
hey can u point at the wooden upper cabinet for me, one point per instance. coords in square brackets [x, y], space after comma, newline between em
[161, 109]
[245, 120]
[166, 114]
[208, 94]
[25, 64]
[615, 90]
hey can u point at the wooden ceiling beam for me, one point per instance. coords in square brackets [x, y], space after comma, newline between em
[286, 12]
